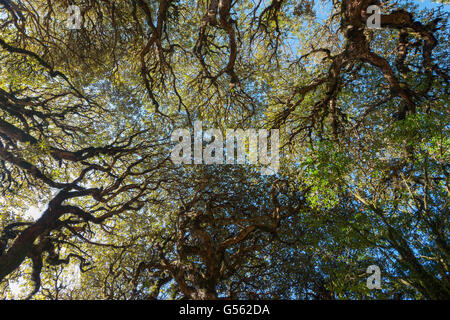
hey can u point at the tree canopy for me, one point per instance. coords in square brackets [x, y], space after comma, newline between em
[86, 117]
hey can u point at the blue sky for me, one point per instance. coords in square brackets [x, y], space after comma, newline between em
[432, 4]
[322, 11]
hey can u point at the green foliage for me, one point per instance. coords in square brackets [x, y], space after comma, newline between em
[86, 117]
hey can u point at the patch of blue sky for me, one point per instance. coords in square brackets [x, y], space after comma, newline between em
[323, 8]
